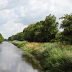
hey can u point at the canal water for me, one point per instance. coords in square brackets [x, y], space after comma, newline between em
[11, 59]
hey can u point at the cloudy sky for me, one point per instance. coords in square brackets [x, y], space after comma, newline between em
[15, 15]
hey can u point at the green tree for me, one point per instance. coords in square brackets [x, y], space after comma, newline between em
[29, 33]
[9, 38]
[19, 36]
[67, 26]
[50, 27]
[42, 31]
[1, 38]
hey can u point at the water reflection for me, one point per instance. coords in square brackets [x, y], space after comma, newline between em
[0, 49]
[11, 59]
[5, 71]
[30, 61]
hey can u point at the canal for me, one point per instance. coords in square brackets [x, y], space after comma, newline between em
[11, 59]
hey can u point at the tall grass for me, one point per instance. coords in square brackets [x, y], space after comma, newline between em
[55, 59]
[19, 43]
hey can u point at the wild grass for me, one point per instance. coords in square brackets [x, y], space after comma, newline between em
[51, 57]
[19, 43]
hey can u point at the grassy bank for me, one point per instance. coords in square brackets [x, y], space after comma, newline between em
[49, 57]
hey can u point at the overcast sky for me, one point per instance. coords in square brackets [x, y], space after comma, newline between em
[15, 15]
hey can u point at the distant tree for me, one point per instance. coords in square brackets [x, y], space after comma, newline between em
[19, 36]
[1, 38]
[29, 33]
[5, 39]
[9, 38]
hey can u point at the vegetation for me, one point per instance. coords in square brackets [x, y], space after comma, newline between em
[56, 54]
[1, 38]
[18, 36]
[49, 57]
[5, 39]
[67, 26]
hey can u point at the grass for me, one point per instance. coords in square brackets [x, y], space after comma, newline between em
[50, 57]
[55, 58]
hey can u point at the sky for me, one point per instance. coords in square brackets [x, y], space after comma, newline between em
[15, 15]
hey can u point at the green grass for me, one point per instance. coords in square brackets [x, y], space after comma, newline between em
[19, 43]
[50, 56]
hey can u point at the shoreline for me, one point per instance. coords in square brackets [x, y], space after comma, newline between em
[48, 56]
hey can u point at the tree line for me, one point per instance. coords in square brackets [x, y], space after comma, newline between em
[1, 38]
[47, 31]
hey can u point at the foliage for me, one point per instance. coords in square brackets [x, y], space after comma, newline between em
[67, 26]
[1, 38]
[5, 39]
[42, 31]
[18, 36]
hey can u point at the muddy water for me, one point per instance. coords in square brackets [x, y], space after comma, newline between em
[11, 59]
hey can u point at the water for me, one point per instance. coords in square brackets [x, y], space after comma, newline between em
[11, 59]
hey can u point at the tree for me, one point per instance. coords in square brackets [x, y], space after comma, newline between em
[67, 26]
[19, 36]
[50, 27]
[1, 38]
[42, 31]
[67, 22]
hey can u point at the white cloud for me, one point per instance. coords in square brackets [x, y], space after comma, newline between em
[11, 28]
[3, 3]
[8, 4]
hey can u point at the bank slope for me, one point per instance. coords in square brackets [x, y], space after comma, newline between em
[50, 57]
